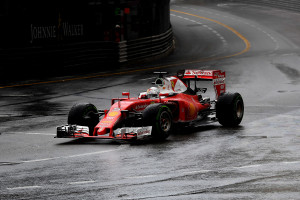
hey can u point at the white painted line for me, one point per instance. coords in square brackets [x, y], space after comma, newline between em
[92, 153]
[181, 174]
[40, 134]
[254, 113]
[281, 106]
[28, 133]
[25, 187]
[198, 172]
[209, 28]
[247, 166]
[239, 20]
[138, 177]
[39, 160]
[266, 165]
[291, 162]
[144, 79]
[81, 182]
[289, 54]
[121, 147]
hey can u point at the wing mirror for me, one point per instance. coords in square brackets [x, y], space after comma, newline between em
[126, 94]
[164, 94]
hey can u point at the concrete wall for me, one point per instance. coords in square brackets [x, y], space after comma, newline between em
[48, 22]
[39, 37]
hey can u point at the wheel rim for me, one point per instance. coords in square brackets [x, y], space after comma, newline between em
[239, 109]
[165, 121]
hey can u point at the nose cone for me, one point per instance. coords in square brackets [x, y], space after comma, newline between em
[107, 123]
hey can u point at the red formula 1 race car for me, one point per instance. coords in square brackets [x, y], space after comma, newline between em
[155, 112]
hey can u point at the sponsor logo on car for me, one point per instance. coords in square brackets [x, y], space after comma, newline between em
[113, 113]
[140, 107]
[199, 72]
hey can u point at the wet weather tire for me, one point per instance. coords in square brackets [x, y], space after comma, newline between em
[84, 114]
[158, 116]
[230, 109]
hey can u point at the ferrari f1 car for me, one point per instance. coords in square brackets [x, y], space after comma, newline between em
[175, 100]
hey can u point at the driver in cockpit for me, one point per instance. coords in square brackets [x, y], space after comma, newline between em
[151, 93]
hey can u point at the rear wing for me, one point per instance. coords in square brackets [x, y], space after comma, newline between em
[217, 76]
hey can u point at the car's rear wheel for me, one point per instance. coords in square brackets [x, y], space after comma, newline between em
[230, 109]
[159, 117]
[84, 114]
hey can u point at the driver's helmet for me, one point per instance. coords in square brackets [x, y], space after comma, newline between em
[153, 92]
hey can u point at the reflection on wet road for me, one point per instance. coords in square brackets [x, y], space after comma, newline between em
[257, 160]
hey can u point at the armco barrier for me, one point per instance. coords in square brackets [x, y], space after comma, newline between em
[36, 60]
[144, 48]
[293, 5]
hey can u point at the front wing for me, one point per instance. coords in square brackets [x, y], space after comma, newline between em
[124, 133]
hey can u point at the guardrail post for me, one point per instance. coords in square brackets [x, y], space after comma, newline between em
[123, 52]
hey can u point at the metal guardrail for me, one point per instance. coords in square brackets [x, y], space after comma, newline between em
[293, 5]
[146, 47]
[50, 58]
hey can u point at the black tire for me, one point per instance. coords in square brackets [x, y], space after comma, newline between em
[230, 109]
[84, 114]
[159, 117]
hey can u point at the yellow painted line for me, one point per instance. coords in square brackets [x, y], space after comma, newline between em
[246, 49]
[246, 42]
[83, 77]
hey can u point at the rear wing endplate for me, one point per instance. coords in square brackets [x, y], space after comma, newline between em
[217, 76]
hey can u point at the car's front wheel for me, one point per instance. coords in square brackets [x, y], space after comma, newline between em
[84, 114]
[159, 117]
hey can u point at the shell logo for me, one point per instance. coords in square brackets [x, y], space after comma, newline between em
[173, 84]
[113, 114]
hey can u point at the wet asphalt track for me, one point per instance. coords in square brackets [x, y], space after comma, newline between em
[259, 49]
